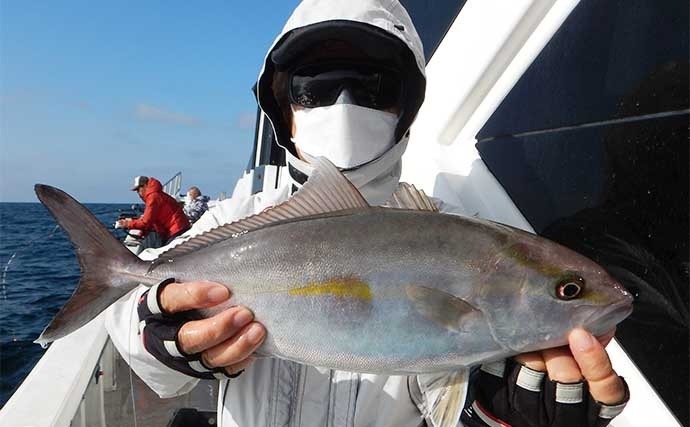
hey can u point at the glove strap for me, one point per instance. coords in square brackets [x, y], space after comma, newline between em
[159, 333]
[507, 394]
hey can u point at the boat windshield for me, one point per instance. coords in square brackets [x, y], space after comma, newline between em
[592, 146]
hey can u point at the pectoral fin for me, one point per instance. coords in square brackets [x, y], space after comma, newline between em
[441, 307]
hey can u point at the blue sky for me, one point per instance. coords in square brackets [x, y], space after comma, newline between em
[94, 93]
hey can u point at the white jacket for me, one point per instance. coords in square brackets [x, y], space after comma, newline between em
[276, 392]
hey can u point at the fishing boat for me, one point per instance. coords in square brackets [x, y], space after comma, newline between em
[562, 117]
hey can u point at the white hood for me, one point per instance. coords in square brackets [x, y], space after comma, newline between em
[384, 30]
[388, 15]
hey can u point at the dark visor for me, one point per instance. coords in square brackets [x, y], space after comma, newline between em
[372, 86]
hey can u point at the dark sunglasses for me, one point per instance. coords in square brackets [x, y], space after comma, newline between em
[371, 85]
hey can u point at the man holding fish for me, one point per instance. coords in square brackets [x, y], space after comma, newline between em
[344, 81]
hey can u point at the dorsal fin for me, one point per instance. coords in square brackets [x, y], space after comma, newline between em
[406, 196]
[326, 190]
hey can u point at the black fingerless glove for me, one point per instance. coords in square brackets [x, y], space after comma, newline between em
[158, 330]
[507, 394]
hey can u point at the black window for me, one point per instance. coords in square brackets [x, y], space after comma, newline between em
[432, 19]
[271, 152]
[592, 145]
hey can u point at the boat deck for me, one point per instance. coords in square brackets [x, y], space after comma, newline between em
[128, 401]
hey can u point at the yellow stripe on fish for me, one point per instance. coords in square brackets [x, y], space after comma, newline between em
[351, 287]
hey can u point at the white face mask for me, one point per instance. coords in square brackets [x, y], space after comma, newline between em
[348, 135]
[376, 180]
[188, 199]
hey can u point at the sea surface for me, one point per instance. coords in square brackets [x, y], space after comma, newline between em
[38, 273]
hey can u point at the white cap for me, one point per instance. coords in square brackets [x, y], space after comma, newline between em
[139, 181]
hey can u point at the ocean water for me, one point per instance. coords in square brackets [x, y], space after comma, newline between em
[38, 273]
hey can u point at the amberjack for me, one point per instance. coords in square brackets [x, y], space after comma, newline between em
[337, 283]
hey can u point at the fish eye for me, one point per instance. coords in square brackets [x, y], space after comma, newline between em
[570, 288]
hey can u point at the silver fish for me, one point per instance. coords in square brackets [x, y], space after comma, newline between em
[340, 284]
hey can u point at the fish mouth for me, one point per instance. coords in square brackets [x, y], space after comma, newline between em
[601, 322]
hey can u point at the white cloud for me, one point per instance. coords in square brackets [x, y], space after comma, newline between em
[156, 114]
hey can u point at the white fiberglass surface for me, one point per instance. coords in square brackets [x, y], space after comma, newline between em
[483, 55]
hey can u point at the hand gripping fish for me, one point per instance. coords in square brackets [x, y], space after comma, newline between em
[340, 284]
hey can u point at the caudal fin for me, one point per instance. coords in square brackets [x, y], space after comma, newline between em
[107, 267]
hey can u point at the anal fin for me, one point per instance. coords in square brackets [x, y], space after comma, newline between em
[444, 395]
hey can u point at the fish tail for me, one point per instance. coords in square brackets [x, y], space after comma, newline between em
[108, 268]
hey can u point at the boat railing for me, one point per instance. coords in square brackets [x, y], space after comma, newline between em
[173, 185]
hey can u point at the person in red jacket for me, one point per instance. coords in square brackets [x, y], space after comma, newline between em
[163, 214]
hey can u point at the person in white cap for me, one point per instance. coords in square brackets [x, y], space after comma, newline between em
[344, 80]
[162, 213]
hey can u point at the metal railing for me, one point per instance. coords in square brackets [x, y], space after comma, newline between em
[173, 185]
